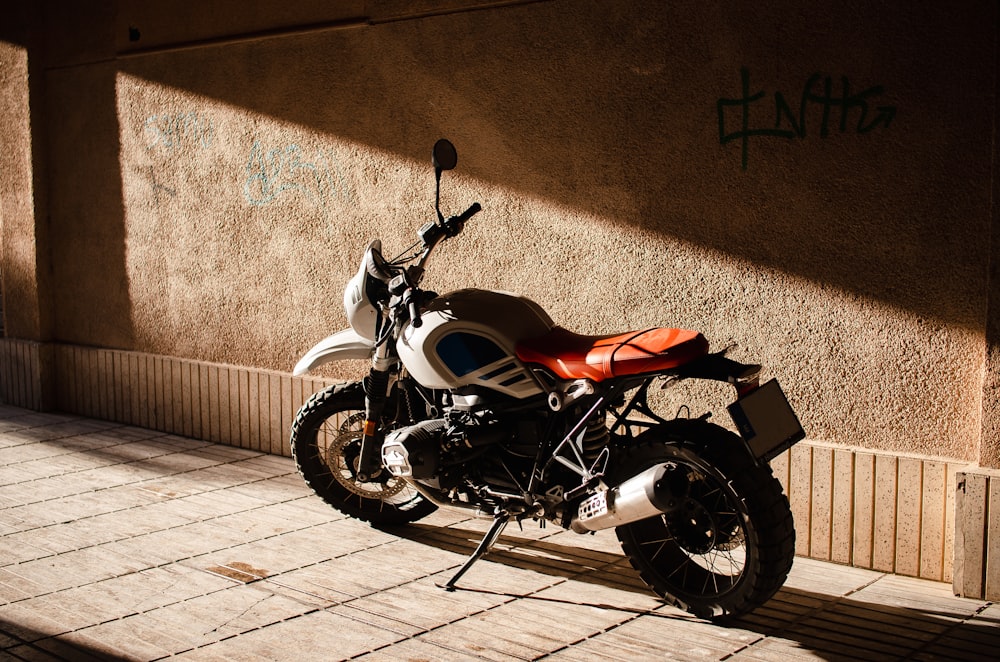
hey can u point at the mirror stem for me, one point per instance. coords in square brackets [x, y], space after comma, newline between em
[437, 195]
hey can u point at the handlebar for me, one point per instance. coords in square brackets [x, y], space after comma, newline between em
[431, 235]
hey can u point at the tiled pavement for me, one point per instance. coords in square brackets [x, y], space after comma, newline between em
[123, 543]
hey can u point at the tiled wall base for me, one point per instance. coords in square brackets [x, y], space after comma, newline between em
[23, 365]
[977, 534]
[872, 510]
[227, 404]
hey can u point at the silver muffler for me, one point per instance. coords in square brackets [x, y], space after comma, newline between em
[657, 490]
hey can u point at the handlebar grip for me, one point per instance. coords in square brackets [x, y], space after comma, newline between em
[411, 305]
[469, 213]
[453, 225]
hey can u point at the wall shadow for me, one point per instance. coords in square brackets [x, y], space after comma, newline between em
[24, 643]
[840, 175]
[75, 183]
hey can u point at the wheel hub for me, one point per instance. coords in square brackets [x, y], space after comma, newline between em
[693, 527]
[343, 455]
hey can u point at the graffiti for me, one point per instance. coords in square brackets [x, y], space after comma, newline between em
[843, 111]
[158, 187]
[174, 130]
[273, 172]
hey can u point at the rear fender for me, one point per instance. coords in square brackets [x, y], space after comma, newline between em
[346, 344]
[744, 376]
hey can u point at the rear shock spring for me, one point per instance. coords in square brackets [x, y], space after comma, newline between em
[595, 437]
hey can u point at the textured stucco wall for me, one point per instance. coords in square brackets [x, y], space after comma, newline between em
[225, 187]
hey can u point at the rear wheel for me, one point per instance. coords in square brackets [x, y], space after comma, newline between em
[326, 443]
[729, 544]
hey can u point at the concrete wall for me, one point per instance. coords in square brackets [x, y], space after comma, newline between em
[194, 181]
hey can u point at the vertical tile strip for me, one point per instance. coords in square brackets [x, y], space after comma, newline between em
[235, 401]
[864, 509]
[225, 411]
[884, 547]
[246, 406]
[259, 439]
[949, 522]
[194, 376]
[992, 546]
[843, 506]
[821, 503]
[6, 378]
[971, 517]
[932, 520]
[909, 492]
[288, 409]
[142, 390]
[177, 417]
[799, 495]
[205, 401]
[275, 414]
[214, 405]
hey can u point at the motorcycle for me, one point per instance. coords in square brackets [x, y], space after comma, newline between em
[477, 400]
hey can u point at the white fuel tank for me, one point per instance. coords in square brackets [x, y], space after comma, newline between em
[468, 338]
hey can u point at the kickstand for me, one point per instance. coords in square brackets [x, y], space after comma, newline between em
[482, 550]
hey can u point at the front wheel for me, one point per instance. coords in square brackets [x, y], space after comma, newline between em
[326, 444]
[729, 544]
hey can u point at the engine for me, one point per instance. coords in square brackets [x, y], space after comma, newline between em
[465, 458]
[414, 451]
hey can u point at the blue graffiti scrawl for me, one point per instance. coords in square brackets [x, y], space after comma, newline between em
[173, 130]
[271, 173]
[843, 111]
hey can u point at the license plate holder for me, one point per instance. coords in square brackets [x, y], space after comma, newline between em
[766, 421]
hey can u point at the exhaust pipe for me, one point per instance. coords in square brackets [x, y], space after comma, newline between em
[657, 490]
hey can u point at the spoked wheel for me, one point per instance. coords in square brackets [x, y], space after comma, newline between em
[728, 545]
[326, 445]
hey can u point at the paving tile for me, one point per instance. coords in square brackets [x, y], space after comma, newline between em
[416, 649]
[668, 625]
[473, 638]
[425, 606]
[918, 595]
[318, 635]
[397, 623]
[605, 649]
[20, 547]
[278, 489]
[218, 615]
[350, 576]
[776, 649]
[816, 576]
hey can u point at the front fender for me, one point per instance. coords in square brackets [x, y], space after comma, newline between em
[340, 346]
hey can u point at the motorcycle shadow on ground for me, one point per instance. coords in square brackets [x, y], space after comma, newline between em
[857, 625]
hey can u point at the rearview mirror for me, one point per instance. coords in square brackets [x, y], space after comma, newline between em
[445, 156]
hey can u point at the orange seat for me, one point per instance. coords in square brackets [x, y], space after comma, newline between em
[572, 356]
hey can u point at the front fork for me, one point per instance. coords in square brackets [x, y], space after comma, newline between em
[376, 394]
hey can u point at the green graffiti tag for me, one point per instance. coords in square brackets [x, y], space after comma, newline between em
[857, 111]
